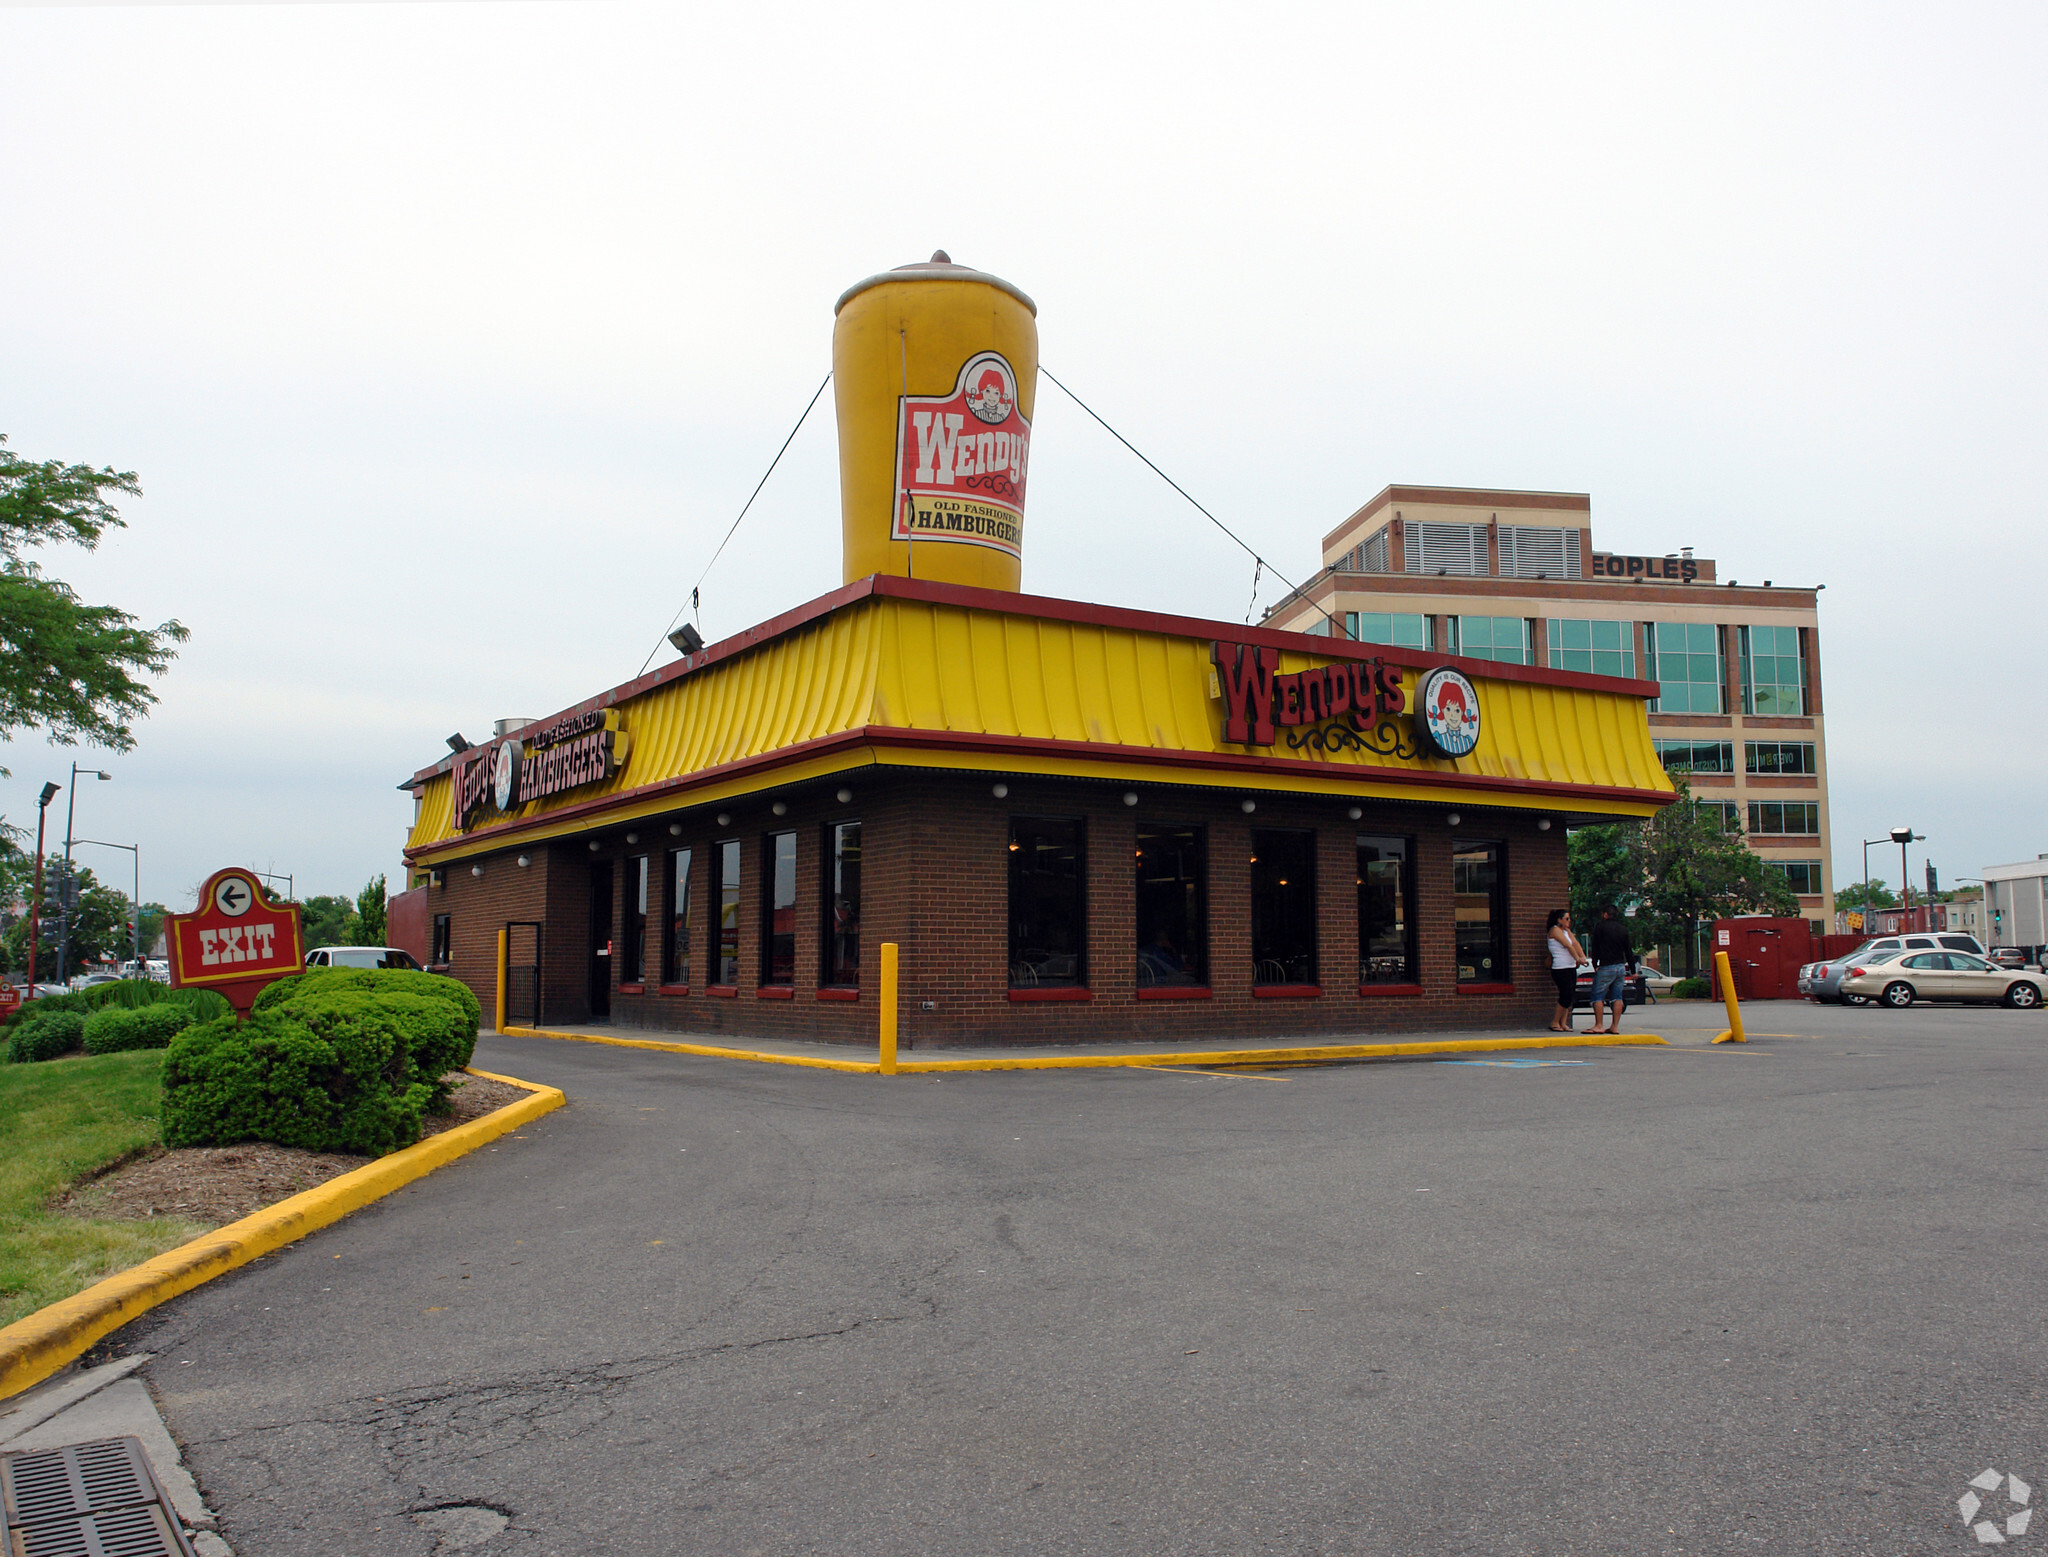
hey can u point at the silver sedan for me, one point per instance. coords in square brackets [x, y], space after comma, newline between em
[1899, 979]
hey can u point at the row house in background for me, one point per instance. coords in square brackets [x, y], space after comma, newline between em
[1514, 577]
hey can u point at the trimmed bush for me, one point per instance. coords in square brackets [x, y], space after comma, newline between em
[1691, 989]
[116, 1028]
[341, 1059]
[44, 1035]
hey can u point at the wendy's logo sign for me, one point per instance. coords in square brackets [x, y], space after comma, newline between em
[1447, 713]
[962, 460]
[1257, 698]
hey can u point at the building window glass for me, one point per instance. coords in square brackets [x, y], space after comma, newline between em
[1773, 671]
[1779, 757]
[1403, 630]
[1048, 906]
[1479, 891]
[1283, 906]
[1696, 756]
[1685, 661]
[1502, 638]
[1597, 647]
[1386, 918]
[842, 905]
[1727, 811]
[725, 891]
[675, 965]
[443, 934]
[633, 964]
[1172, 906]
[778, 908]
[1802, 876]
[1768, 817]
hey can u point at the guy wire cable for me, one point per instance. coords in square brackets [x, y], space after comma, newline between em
[786, 442]
[1183, 491]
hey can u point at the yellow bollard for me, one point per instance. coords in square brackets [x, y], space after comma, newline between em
[888, 1008]
[502, 954]
[1733, 1032]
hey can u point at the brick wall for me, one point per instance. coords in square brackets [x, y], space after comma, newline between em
[935, 880]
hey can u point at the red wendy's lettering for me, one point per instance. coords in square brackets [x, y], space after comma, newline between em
[1257, 698]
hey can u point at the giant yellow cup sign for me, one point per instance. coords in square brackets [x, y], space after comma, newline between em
[935, 374]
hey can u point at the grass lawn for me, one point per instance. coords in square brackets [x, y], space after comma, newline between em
[59, 1121]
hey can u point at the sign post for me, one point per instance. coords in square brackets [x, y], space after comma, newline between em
[236, 942]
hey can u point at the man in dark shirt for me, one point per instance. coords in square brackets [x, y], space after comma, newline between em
[1612, 958]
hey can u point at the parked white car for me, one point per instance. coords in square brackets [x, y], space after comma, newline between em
[361, 957]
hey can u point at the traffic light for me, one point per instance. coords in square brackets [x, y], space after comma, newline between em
[1931, 887]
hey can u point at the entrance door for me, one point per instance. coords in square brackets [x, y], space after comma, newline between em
[1763, 965]
[601, 938]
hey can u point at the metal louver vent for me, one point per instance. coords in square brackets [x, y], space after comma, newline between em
[87, 1500]
[1446, 548]
[1373, 555]
[1528, 551]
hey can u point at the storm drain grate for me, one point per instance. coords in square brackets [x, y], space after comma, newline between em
[87, 1500]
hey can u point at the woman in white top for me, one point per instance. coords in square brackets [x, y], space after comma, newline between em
[1565, 957]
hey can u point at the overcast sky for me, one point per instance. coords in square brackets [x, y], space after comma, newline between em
[448, 339]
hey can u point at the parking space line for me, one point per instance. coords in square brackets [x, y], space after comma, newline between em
[1220, 1075]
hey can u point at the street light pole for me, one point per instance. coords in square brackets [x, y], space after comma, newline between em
[35, 917]
[64, 886]
[1903, 836]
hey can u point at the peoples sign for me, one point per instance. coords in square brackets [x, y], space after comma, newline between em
[237, 942]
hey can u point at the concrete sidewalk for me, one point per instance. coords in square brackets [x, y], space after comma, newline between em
[1682, 1023]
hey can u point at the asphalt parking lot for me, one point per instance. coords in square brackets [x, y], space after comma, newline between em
[1779, 1298]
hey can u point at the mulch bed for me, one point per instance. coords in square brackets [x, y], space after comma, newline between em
[221, 1184]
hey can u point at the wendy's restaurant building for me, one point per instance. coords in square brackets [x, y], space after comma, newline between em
[1076, 821]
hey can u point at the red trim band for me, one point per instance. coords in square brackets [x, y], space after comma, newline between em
[1052, 994]
[1177, 992]
[775, 992]
[723, 991]
[838, 992]
[672, 989]
[1367, 991]
[1287, 992]
[632, 989]
[1486, 989]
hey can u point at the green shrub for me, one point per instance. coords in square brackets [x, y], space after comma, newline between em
[45, 1034]
[342, 1059]
[153, 1026]
[1691, 989]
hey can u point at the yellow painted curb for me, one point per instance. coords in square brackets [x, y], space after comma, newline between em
[1328, 1051]
[33, 1348]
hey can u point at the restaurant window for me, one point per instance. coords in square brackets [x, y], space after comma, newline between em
[1405, 630]
[1172, 906]
[1802, 876]
[1501, 638]
[1386, 916]
[725, 892]
[1599, 647]
[1479, 891]
[443, 935]
[1780, 757]
[1048, 907]
[1768, 817]
[778, 908]
[675, 967]
[1685, 661]
[633, 965]
[842, 906]
[1696, 756]
[1773, 671]
[1283, 906]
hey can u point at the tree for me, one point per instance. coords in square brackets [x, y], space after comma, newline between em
[1849, 899]
[66, 667]
[98, 928]
[1603, 867]
[367, 927]
[326, 921]
[1696, 866]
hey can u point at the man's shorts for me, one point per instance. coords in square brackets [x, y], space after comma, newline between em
[1607, 984]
